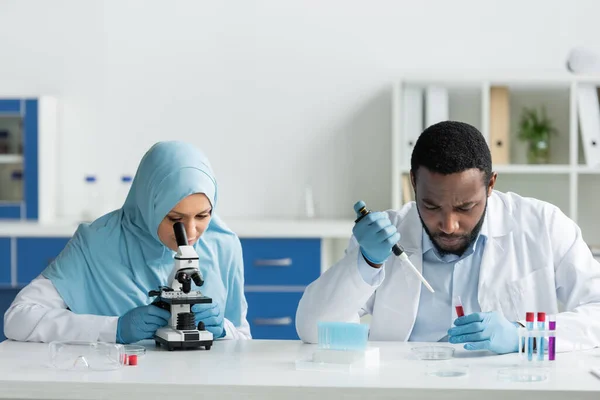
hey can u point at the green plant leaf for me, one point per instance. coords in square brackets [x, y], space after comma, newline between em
[535, 125]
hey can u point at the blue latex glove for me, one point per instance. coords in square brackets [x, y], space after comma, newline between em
[375, 234]
[485, 331]
[141, 323]
[210, 314]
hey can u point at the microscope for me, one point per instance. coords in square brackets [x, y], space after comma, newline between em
[178, 299]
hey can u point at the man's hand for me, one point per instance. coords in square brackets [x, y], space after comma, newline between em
[376, 236]
[489, 331]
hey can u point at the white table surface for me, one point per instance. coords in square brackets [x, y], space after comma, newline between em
[260, 369]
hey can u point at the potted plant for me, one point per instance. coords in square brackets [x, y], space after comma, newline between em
[535, 128]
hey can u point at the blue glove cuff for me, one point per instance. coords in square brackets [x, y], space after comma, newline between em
[362, 251]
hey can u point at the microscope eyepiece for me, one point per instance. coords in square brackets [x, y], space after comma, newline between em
[180, 235]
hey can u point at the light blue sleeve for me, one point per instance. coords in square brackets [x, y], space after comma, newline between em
[371, 276]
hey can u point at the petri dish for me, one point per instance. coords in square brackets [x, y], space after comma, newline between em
[433, 352]
[447, 369]
[134, 349]
[79, 355]
[522, 374]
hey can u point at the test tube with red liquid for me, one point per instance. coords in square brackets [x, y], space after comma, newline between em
[460, 312]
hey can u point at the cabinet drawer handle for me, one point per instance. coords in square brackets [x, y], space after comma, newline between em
[283, 321]
[275, 262]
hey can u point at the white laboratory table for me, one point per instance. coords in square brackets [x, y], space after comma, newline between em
[260, 369]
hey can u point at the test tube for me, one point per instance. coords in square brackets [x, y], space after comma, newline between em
[551, 337]
[541, 325]
[529, 319]
[460, 312]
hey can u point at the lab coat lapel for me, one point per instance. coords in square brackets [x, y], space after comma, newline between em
[491, 255]
[497, 227]
[408, 285]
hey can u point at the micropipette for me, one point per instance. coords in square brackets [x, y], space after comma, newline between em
[398, 251]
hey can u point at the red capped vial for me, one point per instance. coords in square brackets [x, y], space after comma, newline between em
[541, 317]
[460, 312]
[529, 317]
[529, 320]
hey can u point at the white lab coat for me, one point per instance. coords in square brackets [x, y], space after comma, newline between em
[39, 314]
[534, 257]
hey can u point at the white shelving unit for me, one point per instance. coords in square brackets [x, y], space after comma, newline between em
[565, 181]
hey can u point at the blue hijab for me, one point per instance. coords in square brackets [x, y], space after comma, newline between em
[110, 265]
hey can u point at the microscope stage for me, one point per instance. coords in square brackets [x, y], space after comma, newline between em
[184, 298]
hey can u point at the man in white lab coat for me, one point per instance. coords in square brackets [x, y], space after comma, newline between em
[503, 254]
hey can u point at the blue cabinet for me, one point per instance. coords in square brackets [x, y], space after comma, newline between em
[276, 272]
[272, 315]
[7, 296]
[19, 159]
[31, 256]
[35, 254]
[11, 106]
[281, 261]
[5, 262]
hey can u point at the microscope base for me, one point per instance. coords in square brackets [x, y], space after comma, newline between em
[174, 339]
[189, 345]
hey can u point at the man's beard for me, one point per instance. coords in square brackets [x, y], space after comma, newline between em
[470, 237]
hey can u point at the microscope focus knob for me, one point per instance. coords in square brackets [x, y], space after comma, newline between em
[201, 326]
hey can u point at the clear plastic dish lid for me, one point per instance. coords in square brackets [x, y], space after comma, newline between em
[447, 369]
[523, 374]
[433, 352]
[97, 356]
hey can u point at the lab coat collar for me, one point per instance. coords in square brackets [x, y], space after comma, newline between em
[411, 231]
[498, 219]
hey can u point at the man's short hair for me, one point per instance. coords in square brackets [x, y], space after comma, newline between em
[449, 147]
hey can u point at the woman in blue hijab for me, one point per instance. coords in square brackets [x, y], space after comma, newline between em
[97, 288]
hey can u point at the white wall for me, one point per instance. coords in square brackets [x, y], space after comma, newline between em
[279, 94]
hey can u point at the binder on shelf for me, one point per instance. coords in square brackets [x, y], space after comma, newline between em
[407, 190]
[412, 120]
[499, 125]
[589, 122]
[436, 105]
